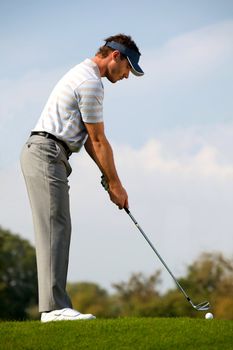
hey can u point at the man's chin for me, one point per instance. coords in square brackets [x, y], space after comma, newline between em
[112, 80]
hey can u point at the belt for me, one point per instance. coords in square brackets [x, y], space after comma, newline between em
[51, 136]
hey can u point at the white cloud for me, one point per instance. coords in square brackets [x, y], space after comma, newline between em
[195, 151]
[188, 57]
[192, 54]
[182, 197]
[20, 95]
[187, 81]
[179, 182]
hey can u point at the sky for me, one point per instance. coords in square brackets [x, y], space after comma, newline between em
[171, 130]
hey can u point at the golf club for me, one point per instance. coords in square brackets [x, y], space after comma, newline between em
[199, 307]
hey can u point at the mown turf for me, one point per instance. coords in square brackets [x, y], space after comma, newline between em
[119, 334]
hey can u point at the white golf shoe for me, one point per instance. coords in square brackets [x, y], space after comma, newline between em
[65, 315]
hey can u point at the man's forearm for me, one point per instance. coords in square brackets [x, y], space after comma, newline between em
[101, 152]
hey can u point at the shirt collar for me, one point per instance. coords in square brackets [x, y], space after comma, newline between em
[93, 65]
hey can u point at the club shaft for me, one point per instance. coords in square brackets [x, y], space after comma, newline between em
[156, 252]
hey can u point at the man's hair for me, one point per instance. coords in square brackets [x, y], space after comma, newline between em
[123, 39]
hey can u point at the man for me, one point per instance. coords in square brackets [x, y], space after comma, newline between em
[71, 118]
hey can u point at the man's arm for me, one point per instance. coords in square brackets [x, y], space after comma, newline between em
[101, 152]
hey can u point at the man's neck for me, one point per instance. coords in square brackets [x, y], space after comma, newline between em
[101, 63]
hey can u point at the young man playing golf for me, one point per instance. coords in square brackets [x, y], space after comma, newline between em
[72, 117]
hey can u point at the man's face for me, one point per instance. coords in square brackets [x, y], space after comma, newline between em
[118, 68]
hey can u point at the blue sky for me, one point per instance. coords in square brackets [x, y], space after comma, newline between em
[47, 38]
[171, 129]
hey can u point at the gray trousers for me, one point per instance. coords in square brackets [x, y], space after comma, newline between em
[46, 169]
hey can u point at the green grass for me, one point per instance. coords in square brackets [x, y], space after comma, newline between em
[119, 334]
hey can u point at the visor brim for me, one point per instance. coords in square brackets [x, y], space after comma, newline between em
[135, 68]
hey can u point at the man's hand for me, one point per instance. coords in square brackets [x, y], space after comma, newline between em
[117, 193]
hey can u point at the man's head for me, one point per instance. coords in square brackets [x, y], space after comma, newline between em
[121, 56]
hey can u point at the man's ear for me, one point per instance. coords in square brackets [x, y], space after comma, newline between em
[116, 55]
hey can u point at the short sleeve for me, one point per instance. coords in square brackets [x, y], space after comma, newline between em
[90, 100]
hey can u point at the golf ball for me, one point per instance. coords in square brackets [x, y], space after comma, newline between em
[209, 316]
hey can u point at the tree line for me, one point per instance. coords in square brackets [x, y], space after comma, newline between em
[210, 277]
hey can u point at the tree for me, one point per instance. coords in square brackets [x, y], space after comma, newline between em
[210, 277]
[139, 296]
[90, 298]
[18, 276]
[216, 274]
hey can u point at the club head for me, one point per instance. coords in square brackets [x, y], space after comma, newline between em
[202, 306]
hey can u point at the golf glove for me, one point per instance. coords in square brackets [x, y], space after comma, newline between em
[104, 183]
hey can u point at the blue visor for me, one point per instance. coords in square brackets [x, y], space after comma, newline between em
[131, 55]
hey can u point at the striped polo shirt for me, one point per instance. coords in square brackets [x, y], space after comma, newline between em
[76, 99]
